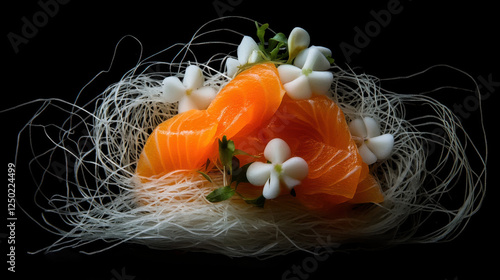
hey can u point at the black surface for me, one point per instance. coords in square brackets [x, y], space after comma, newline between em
[78, 40]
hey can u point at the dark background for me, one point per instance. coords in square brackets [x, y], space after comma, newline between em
[79, 39]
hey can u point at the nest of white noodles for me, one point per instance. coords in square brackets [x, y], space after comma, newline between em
[101, 193]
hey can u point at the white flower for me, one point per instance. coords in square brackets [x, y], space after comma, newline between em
[307, 75]
[298, 40]
[371, 145]
[283, 171]
[190, 93]
[248, 52]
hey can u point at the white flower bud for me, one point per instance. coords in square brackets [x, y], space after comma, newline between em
[298, 40]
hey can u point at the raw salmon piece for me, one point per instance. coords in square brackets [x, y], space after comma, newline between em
[248, 101]
[184, 141]
[188, 139]
[318, 118]
[316, 130]
[332, 171]
[368, 190]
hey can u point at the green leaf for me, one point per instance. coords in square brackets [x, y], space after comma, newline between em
[240, 174]
[205, 175]
[241, 152]
[226, 144]
[275, 45]
[279, 38]
[274, 53]
[261, 31]
[226, 151]
[259, 201]
[221, 194]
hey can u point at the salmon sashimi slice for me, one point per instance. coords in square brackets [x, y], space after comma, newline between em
[368, 191]
[316, 130]
[184, 141]
[187, 140]
[248, 101]
[332, 171]
[318, 118]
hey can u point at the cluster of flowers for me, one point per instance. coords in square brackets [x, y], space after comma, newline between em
[304, 73]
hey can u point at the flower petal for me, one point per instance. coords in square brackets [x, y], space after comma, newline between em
[272, 187]
[203, 96]
[254, 57]
[258, 173]
[289, 182]
[245, 49]
[381, 145]
[299, 88]
[296, 168]
[173, 89]
[288, 73]
[325, 51]
[186, 104]
[315, 60]
[357, 128]
[232, 66]
[298, 40]
[372, 127]
[193, 77]
[320, 81]
[367, 155]
[302, 56]
[277, 151]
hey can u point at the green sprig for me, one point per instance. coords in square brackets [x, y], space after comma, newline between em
[221, 194]
[277, 47]
[231, 172]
